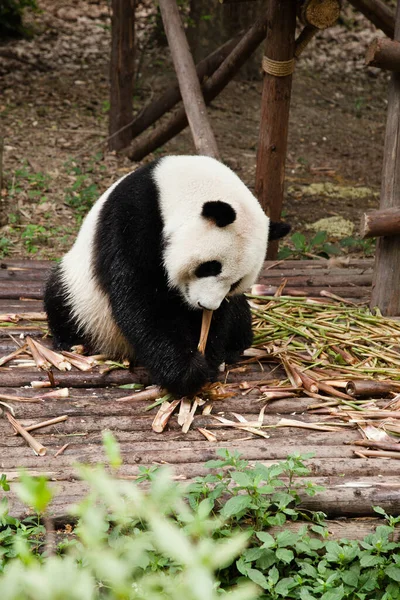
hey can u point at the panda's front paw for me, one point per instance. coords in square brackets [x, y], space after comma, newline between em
[188, 379]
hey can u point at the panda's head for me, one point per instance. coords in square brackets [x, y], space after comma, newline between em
[215, 231]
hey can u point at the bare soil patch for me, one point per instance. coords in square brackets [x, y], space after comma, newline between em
[54, 119]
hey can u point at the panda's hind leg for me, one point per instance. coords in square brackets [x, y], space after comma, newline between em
[240, 334]
[62, 324]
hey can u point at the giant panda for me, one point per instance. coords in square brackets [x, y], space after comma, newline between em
[172, 238]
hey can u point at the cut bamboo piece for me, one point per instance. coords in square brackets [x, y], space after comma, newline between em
[39, 359]
[12, 398]
[61, 450]
[36, 446]
[184, 410]
[309, 384]
[151, 393]
[190, 416]
[56, 394]
[163, 415]
[378, 445]
[205, 328]
[365, 387]
[211, 437]
[8, 357]
[379, 454]
[54, 358]
[45, 423]
[303, 425]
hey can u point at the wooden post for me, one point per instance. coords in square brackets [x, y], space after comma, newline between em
[378, 12]
[121, 73]
[189, 84]
[386, 281]
[275, 104]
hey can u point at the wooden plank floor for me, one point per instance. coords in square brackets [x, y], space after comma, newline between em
[352, 485]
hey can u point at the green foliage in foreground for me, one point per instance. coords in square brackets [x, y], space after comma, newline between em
[207, 541]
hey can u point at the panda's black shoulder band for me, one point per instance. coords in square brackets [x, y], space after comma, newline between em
[221, 213]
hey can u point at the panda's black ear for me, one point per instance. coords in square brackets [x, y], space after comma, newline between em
[221, 213]
[278, 230]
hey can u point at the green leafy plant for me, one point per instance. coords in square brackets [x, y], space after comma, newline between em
[301, 247]
[5, 246]
[367, 247]
[33, 235]
[203, 542]
[82, 194]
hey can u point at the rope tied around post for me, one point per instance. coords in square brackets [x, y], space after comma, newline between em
[278, 68]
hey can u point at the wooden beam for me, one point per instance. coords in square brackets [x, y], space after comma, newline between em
[383, 53]
[189, 84]
[275, 104]
[376, 223]
[156, 109]
[378, 12]
[211, 88]
[386, 281]
[320, 13]
[121, 73]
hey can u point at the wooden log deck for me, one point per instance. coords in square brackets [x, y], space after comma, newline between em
[352, 485]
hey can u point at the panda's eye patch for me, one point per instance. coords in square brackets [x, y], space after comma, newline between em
[211, 268]
[235, 285]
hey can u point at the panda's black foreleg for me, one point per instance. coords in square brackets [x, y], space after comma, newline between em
[161, 331]
[62, 325]
[239, 328]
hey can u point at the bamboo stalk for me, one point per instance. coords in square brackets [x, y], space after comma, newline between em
[211, 437]
[12, 398]
[378, 445]
[205, 328]
[45, 423]
[152, 393]
[36, 446]
[379, 454]
[39, 359]
[362, 387]
[61, 450]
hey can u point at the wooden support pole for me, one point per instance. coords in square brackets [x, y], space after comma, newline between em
[189, 84]
[386, 281]
[376, 223]
[378, 12]
[121, 73]
[275, 104]
[384, 54]
[211, 88]
[156, 109]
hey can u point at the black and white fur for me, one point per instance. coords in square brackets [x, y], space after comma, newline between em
[176, 236]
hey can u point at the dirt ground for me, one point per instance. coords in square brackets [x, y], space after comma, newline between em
[53, 110]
